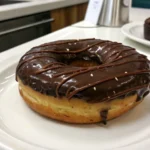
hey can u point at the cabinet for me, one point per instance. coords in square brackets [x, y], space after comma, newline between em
[66, 16]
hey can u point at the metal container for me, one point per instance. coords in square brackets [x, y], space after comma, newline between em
[114, 13]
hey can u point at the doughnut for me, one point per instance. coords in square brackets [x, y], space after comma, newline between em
[147, 29]
[83, 81]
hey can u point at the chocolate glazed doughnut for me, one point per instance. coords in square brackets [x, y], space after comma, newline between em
[83, 81]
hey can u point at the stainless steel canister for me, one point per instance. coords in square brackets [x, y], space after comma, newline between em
[114, 13]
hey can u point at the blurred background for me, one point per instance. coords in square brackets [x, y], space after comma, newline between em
[141, 3]
[26, 20]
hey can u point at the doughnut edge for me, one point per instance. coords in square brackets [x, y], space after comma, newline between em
[74, 110]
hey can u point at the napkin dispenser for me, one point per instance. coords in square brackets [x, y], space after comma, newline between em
[114, 13]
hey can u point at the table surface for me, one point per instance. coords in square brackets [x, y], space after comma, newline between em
[80, 30]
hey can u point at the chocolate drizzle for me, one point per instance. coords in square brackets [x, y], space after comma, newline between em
[103, 115]
[120, 70]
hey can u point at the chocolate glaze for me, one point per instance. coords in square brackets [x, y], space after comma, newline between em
[120, 70]
[147, 29]
[103, 115]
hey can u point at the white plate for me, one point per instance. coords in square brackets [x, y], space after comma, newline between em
[135, 31]
[21, 128]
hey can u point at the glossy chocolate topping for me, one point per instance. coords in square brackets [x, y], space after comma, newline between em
[147, 29]
[104, 114]
[120, 70]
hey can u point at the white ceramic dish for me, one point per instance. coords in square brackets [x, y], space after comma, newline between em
[135, 31]
[21, 128]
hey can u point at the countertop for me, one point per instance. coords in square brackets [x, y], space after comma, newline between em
[33, 6]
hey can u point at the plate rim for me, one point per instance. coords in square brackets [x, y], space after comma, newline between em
[126, 31]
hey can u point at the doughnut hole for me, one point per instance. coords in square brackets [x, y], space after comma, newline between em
[84, 63]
